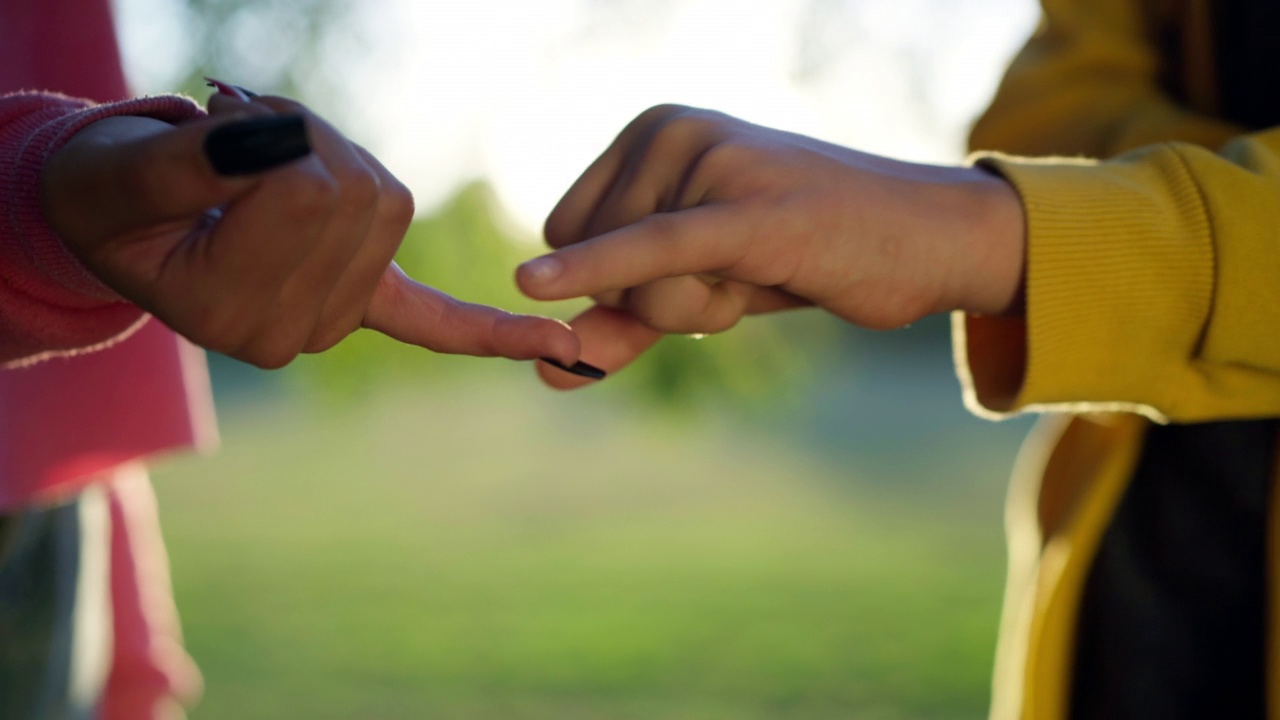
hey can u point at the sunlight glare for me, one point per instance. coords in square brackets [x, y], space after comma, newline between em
[525, 95]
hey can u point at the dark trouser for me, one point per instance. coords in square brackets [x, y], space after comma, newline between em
[1173, 621]
[54, 610]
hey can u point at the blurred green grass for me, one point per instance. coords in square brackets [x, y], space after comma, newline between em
[493, 550]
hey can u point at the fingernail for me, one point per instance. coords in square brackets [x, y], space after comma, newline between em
[257, 144]
[543, 269]
[234, 91]
[579, 368]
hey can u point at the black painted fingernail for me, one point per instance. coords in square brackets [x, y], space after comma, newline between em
[579, 368]
[246, 91]
[252, 146]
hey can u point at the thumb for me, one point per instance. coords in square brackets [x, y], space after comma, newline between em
[125, 173]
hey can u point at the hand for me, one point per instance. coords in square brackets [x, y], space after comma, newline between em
[261, 232]
[693, 219]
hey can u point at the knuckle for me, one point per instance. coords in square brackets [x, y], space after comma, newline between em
[396, 204]
[658, 114]
[723, 166]
[687, 132]
[722, 159]
[675, 141]
[697, 121]
[687, 122]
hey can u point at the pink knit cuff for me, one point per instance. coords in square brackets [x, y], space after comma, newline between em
[48, 300]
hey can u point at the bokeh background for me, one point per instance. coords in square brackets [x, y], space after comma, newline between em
[795, 519]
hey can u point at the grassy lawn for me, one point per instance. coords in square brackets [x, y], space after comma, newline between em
[496, 551]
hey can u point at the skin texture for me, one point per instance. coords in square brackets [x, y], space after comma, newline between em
[693, 219]
[293, 260]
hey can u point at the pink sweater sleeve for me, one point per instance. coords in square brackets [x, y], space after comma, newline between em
[49, 302]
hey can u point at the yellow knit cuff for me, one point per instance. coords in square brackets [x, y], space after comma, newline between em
[1119, 287]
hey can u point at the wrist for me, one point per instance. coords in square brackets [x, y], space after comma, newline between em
[989, 252]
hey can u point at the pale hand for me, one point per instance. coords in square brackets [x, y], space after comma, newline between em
[693, 219]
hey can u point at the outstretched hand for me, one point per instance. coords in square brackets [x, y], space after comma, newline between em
[693, 219]
[262, 232]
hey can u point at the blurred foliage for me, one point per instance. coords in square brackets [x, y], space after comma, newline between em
[275, 46]
[494, 552]
[279, 46]
[464, 250]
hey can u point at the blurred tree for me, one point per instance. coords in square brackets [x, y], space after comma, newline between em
[279, 46]
[464, 249]
[272, 46]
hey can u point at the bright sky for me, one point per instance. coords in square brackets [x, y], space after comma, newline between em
[526, 93]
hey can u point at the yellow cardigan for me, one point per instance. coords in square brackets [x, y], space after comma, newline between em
[1153, 292]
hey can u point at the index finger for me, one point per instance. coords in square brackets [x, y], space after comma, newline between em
[704, 239]
[413, 313]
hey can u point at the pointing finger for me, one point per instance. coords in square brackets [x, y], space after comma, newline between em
[700, 240]
[413, 313]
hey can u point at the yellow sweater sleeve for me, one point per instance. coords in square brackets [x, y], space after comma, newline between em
[1153, 284]
[1153, 277]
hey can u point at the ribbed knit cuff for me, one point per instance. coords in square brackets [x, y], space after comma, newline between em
[1120, 274]
[50, 300]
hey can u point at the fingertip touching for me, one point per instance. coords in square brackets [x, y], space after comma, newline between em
[610, 340]
[530, 337]
[417, 314]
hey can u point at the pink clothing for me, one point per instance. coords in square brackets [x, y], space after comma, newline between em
[151, 674]
[109, 396]
[53, 436]
[51, 303]
[63, 45]
[69, 418]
